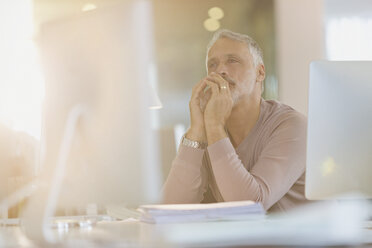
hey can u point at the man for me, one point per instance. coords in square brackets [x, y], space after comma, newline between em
[238, 146]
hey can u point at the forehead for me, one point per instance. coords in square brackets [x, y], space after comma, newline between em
[225, 46]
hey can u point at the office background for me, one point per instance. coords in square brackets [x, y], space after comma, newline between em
[291, 32]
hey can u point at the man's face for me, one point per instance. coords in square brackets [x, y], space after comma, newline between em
[234, 62]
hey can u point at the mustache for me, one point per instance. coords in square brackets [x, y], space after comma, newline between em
[228, 79]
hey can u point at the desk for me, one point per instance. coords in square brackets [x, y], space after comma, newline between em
[132, 233]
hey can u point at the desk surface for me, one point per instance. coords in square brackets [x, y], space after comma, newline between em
[209, 234]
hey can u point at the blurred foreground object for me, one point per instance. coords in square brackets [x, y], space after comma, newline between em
[18, 158]
[339, 130]
[99, 146]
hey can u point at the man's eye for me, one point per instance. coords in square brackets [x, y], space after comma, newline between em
[211, 65]
[232, 60]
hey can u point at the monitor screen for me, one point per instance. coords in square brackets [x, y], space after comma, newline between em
[339, 141]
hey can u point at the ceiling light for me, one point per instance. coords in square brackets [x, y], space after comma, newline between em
[211, 24]
[88, 7]
[215, 13]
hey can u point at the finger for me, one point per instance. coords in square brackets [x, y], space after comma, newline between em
[223, 84]
[207, 89]
[204, 90]
[208, 93]
[214, 78]
[225, 88]
[198, 88]
[205, 95]
[214, 87]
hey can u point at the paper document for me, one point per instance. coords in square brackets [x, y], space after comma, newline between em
[121, 212]
[173, 213]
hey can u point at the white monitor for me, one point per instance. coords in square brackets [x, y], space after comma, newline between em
[339, 140]
[99, 146]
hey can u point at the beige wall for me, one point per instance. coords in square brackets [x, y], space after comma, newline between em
[300, 39]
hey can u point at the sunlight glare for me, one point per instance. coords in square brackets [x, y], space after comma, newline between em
[21, 81]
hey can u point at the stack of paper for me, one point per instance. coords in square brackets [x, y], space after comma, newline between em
[174, 213]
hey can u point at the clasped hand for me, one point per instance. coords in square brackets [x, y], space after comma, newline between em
[209, 109]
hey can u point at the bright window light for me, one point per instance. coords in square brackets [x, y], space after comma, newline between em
[349, 39]
[21, 82]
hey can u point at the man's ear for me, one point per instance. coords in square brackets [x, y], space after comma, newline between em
[260, 73]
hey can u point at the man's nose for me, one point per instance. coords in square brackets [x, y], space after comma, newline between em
[222, 70]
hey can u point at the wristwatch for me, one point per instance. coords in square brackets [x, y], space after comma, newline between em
[191, 143]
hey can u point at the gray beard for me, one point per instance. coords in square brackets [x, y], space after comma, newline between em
[235, 97]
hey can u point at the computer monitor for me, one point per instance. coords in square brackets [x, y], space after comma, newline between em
[99, 146]
[339, 135]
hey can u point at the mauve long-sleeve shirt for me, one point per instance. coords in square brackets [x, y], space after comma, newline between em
[267, 167]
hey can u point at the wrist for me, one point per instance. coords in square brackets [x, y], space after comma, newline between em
[212, 125]
[215, 133]
[192, 143]
[196, 134]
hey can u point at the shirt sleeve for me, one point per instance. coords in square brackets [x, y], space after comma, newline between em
[280, 165]
[187, 179]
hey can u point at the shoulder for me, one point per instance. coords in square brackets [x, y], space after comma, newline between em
[278, 112]
[278, 116]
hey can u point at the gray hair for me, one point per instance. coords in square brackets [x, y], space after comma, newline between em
[253, 46]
